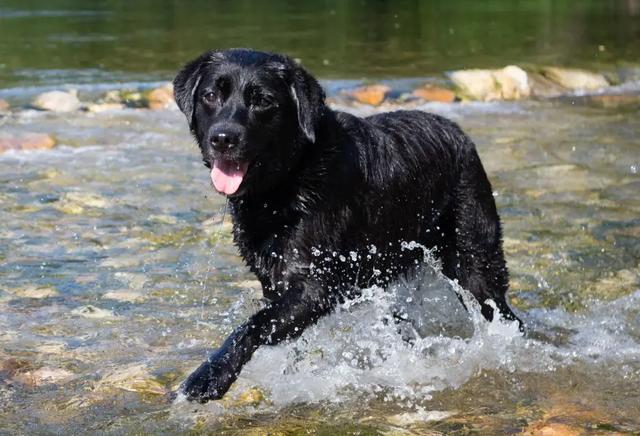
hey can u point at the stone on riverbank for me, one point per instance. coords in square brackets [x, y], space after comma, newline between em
[26, 141]
[372, 95]
[434, 93]
[57, 101]
[509, 83]
[161, 98]
[103, 107]
[4, 105]
[575, 79]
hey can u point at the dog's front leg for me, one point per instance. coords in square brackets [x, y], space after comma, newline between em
[284, 318]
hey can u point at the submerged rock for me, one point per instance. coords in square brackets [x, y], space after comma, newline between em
[57, 101]
[26, 141]
[74, 203]
[161, 98]
[133, 378]
[434, 93]
[575, 79]
[409, 418]
[93, 312]
[124, 295]
[35, 292]
[509, 83]
[44, 376]
[372, 95]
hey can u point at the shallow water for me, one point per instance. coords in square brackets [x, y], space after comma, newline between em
[117, 275]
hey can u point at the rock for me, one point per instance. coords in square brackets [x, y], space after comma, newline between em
[409, 418]
[4, 105]
[44, 376]
[93, 312]
[613, 101]
[133, 280]
[35, 292]
[113, 96]
[434, 93]
[250, 397]
[74, 203]
[372, 95]
[543, 87]
[134, 378]
[103, 107]
[133, 99]
[26, 141]
[164, 219]
[553, 429]
[161, 98]
[124, 295]
[575, 79]
[509, 83]
[57, 101]
[51, 348]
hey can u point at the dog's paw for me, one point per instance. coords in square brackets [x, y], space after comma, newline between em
[209, 382]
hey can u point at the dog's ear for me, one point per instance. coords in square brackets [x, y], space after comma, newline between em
[186, 84]
[309, 99]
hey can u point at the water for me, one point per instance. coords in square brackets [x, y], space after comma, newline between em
[73, 41]
[118, 273]
[119, 234]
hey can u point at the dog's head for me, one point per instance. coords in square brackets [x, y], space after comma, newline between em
[252, 114]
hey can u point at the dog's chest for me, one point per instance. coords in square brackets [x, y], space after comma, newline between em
[264, 238]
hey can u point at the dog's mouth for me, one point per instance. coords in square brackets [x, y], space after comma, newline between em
[227, 175]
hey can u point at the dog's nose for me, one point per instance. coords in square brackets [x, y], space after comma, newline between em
[223, 141]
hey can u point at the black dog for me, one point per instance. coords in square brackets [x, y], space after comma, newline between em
[324, 202]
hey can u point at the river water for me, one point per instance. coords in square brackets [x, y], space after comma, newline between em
[118, 275]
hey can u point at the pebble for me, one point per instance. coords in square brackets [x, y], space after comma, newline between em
[372, 95]
[26, 141]
[57, 101]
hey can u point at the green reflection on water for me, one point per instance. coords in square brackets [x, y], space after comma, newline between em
[62, 41]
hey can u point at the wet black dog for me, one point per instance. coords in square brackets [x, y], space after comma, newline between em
[323, 202]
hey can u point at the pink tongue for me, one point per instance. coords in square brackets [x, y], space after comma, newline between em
[227, 175]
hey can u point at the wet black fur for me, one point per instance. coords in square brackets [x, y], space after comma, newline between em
[329, 198]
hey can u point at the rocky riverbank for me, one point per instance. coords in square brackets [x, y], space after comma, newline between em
[511, 83]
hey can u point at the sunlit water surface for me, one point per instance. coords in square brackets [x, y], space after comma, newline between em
[118, 275]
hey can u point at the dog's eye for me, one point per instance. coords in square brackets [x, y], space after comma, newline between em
[209, 97]
[262, 101]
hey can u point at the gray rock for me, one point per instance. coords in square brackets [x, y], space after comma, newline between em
[57, 101]
[575, 79]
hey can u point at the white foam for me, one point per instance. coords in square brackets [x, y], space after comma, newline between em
[359, 351]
